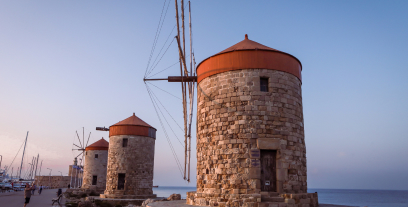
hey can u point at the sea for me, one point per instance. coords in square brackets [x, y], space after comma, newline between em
[369, 198]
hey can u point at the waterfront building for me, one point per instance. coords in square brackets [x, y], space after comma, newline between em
[250, 130]
[130, 160]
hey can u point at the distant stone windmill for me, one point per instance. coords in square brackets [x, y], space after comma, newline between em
[79, 147]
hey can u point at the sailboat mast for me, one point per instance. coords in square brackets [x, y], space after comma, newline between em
[32, 168]
[40, 169]
[21, 166]
[36, 165]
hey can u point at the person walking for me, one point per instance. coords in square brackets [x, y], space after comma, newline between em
[40, 190]
[33, 191]
[27, 194]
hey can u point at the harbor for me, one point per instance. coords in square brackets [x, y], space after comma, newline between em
[192, 103]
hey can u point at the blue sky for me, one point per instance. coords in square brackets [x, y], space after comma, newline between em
[65, 65]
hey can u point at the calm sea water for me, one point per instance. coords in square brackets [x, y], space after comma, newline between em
[370, 198]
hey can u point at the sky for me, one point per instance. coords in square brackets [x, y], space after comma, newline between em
[66, 66]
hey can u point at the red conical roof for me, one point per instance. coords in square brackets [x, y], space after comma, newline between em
[134, 121]
[249, 54]
[247, 44]
[101, 144]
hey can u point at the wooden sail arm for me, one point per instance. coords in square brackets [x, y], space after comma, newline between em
[175, 79]
[182, 56]
[102, 129]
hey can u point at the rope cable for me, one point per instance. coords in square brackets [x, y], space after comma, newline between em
[163, 69]
[168, 37]
[164, 90]
[165, 132]
[148, 71]
[166, 119]
[160, 57]
[168, 139]
[167, 112]
[155, 38]
[14, 158]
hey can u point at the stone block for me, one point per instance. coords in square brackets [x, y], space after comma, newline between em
[268, 143]
[254, 173]
[305, 201]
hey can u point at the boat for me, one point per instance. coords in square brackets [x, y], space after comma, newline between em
[155, 186]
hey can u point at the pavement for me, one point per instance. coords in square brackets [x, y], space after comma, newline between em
[182, 203]
[16, 199]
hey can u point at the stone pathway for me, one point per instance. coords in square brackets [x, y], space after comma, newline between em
[182, 203]
[16, 199]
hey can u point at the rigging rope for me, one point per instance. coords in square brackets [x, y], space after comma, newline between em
[165, 132]
[14, 159]
[154, 62]
[149, 70]
[163, 70]
[164, 91]
[166, 119]
[168, 112]
[155, 38]
[161, 57]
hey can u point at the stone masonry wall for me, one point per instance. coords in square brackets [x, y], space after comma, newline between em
[136, 161]
[54, 181]
[235, 121]
[95, 166]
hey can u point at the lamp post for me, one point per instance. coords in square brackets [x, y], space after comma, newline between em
[50, 176]
[1, 159]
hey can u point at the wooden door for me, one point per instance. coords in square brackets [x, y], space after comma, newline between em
[268, 170]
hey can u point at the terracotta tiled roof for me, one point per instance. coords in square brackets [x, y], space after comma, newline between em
[101, 144]
[247, 44]
[133, 120]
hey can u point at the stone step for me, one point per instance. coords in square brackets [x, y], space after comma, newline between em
[271, 194]
[271, 204]
[272, 199]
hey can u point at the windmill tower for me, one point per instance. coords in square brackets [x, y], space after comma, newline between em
[250, 129]
[76, 170]
[130, 160]
[96, 160]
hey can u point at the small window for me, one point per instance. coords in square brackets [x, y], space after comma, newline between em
[152, 133]
[264, 84]
[125, 142]
[94, 179]
[96, 155]
[121, 181]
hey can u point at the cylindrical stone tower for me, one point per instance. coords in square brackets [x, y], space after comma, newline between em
[130, 160]
[96, 160]
[250, 134]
